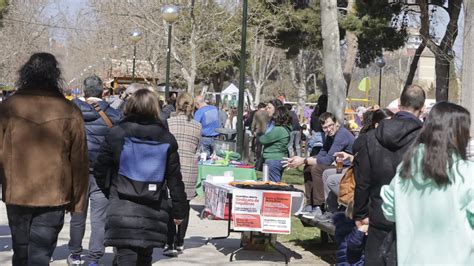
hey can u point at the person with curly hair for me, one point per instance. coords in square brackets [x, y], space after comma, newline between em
[44, 162]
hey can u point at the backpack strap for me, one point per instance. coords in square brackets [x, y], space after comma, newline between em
[102, 114]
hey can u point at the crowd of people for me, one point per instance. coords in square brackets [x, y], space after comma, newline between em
[397, 189]
[412, 197]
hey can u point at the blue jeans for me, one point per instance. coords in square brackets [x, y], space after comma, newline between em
[295, 140]
[34, 232]
[98, 209]
[275, 170]
[207, 145]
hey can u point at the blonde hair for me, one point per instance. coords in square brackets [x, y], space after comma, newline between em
[143, 102]
[185, 105]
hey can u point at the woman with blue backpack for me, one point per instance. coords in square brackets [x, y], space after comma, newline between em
[137, 164]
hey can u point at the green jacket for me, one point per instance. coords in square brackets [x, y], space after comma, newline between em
[434, 224]
[275, 143]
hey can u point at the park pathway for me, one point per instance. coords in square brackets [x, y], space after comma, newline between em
[196, 251]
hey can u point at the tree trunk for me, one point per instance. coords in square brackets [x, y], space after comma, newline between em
[258, 92]
[442, 78]
[193, 48]
[298, 69]
[302, 68]
[332, 59]
[217, 84]
[443, 52]
[467, 78]
[414, 63]
[351, 40]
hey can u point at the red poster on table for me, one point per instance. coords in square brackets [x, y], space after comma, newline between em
[276, 212]
[246, 205]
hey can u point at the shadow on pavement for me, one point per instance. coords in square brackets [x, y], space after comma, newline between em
[198, 208]
[326, 252]
[227, 246]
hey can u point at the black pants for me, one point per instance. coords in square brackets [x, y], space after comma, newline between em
[134, 256]
[34, 233]
[176, 236]
[373, 244]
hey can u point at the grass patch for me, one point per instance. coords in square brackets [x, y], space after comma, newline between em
[300, 233]
[292, 176]
[308, 238]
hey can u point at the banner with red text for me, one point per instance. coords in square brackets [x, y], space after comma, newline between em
[255, 210]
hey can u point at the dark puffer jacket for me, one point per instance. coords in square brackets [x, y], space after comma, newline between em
[376, 164]
[351, 241]
[96, 129]
[139, 223]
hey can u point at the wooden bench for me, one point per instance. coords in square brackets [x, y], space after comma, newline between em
[327, 228]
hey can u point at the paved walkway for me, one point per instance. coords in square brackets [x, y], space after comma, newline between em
[196, 251]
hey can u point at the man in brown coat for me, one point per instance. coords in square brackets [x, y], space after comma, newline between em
[43, 160]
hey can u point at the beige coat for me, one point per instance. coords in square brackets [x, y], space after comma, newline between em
[43, 151]
[188, 135]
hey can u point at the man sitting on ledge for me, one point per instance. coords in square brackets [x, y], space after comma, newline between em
[337, 139]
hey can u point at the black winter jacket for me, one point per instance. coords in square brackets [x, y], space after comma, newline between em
[376, 164]
[136, 223]
[96, 129]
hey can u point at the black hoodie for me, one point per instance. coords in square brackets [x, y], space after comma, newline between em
[376, 164]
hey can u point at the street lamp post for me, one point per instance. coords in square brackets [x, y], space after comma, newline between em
[380, 62]
[243, 54]
[135, 36]
[170, 14]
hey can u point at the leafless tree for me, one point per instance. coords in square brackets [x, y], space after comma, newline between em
[26, 28]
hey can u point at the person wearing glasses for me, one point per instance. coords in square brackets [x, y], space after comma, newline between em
[338, 139]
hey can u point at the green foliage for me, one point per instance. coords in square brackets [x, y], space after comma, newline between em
[3, 8]
[298, 27]
[377, 26]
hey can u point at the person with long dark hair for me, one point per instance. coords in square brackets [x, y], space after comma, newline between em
[431, 198]
[44, 163]
[275, 142]
[140, 159]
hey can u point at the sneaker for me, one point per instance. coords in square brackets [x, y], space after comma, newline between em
[180, 248]
[170, 251]
[325, 217]
[74, 259]
[307, 209]
[314, 212]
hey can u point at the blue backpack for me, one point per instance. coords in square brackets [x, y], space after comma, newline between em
[142, 169]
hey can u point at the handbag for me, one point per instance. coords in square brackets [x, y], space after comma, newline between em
[347, 187]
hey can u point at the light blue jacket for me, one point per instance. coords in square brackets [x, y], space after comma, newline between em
[434, 224]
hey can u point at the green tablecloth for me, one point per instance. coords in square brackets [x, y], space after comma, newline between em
[239, 174]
